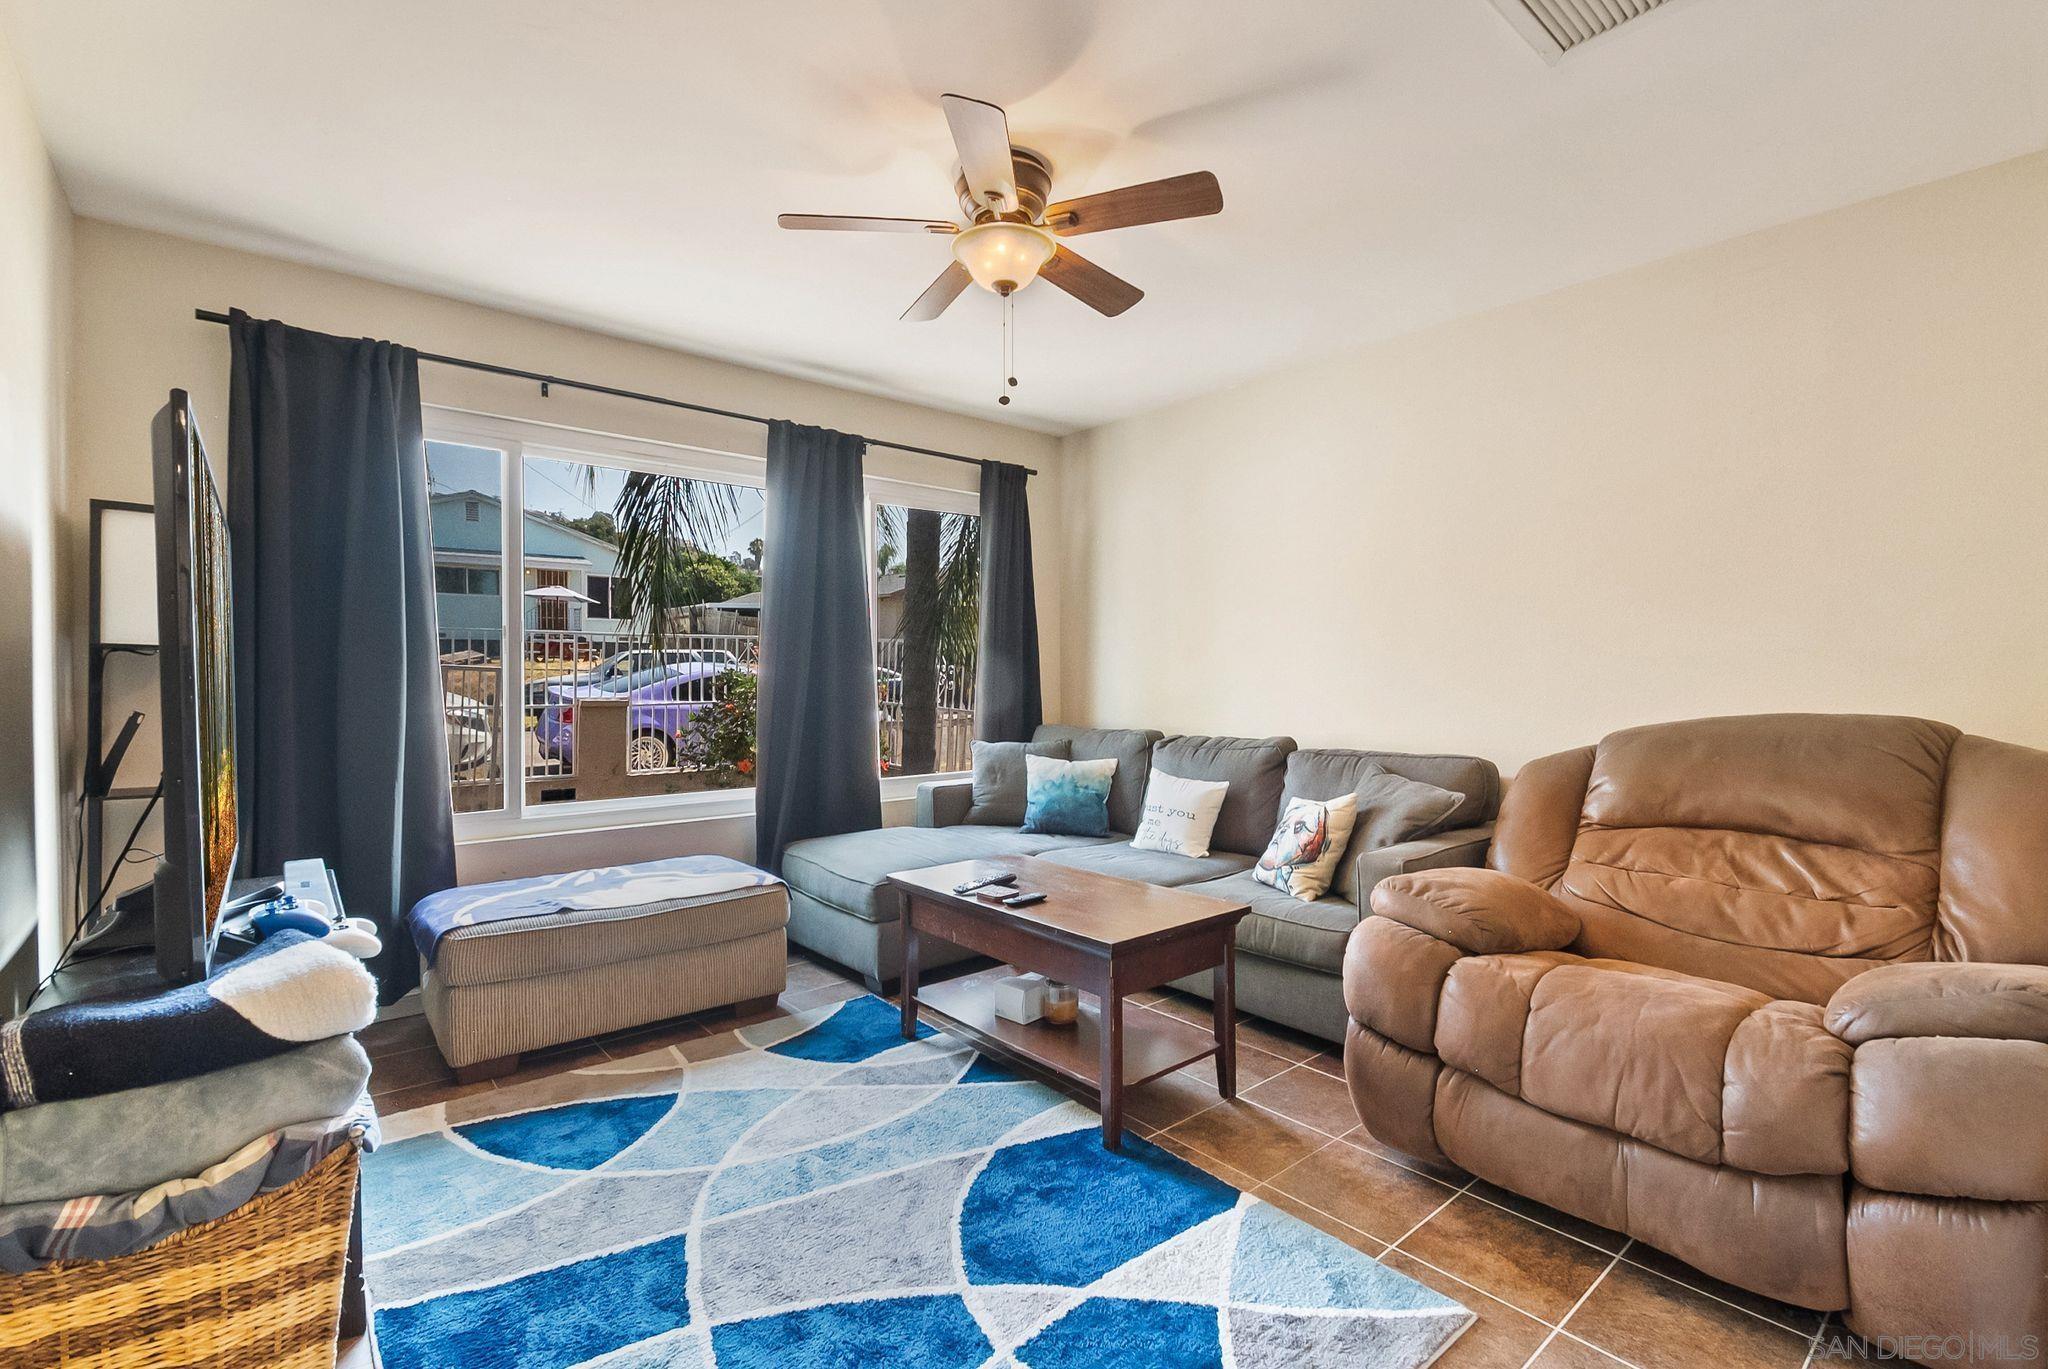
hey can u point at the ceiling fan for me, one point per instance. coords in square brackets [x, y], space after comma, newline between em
[1012, 235]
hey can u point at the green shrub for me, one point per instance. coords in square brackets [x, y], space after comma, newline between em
[720, 738]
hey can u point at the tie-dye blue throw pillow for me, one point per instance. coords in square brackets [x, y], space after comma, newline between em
[1067, 798]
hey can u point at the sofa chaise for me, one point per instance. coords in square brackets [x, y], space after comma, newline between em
[1290, 953]
[1766, 993]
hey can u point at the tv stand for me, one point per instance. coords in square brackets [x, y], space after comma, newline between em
[122, 958]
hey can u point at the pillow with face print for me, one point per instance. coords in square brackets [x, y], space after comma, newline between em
[1302, 857]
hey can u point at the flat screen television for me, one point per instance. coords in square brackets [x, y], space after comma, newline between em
[196, 664]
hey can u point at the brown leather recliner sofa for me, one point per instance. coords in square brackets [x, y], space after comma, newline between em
[1766, 993]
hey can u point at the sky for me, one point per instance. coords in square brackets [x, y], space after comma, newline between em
[568, 489]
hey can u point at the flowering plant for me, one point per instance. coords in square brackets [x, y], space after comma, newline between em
[720, 737]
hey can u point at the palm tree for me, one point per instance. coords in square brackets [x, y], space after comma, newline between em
[662, 519]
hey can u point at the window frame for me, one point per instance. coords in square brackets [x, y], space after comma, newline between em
[514, 439]
[469, 573]
[889, 490]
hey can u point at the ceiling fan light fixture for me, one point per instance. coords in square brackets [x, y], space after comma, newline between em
[1002, 255]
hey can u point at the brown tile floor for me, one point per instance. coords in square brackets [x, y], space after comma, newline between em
[1549, 1289]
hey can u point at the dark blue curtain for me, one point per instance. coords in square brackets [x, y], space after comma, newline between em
[816, 728]
[1008, 706]
[341, 732]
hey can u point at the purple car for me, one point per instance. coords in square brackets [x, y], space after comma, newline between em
[661, 701]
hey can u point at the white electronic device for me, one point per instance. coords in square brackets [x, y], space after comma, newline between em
[307, 881]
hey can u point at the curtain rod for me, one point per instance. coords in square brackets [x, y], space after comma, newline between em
[213, 316]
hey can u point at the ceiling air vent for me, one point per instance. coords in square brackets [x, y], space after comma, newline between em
[1555, 27]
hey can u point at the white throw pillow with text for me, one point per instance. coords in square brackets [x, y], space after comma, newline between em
[1179, 814]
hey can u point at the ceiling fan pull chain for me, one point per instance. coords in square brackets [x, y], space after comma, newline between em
[1009, 304]
[1010, 341]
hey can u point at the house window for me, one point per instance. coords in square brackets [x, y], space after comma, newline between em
[927, 568]
[472, 511]
[600, 591]
[482, 580]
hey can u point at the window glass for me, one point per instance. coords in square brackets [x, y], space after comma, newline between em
[629, 602]
[927, 622]
[630, 574]
[465, 485]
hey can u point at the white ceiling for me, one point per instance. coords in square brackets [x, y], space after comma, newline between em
[1386, 164]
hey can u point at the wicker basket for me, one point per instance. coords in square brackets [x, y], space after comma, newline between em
[257, 1289]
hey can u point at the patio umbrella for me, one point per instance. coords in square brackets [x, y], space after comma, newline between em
[557, 592]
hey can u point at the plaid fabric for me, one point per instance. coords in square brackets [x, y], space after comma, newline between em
[107, 1226]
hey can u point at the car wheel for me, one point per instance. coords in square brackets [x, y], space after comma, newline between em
[651, 750]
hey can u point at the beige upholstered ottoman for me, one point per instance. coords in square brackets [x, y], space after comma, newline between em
[497, 988]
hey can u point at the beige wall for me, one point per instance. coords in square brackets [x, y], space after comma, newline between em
[1802, 469]
[136, 339]
[1805, 469]
[35, 633]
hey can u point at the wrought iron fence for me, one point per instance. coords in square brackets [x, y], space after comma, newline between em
[471, 691]
[563, 667]
[663, 691]
[955, 737]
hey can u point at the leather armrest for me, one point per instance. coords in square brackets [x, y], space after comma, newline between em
[1481, 912]
[1923, 998]
[1949, 1079]
[944, 803]
[1465, 846]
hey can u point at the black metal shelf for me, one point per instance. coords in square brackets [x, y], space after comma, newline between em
[99, 789]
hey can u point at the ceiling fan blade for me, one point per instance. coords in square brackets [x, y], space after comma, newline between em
[1176, 197]
[939, 294]
[981, 131]
[862, 223]
[1089, 283]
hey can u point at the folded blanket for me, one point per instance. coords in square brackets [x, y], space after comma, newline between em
[127, 1141]
[290, 990]
[653, 885]
[109, 1225]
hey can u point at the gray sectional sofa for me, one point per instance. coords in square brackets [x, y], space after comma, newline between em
[1290, 953]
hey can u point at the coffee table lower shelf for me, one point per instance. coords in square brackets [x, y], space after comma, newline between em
[966, 1007]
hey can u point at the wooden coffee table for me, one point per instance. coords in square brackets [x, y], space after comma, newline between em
[1108, 938]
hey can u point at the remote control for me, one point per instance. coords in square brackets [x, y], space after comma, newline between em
[973, 885]
[1024, 900]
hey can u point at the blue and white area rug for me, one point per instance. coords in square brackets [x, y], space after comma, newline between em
[816, 1191]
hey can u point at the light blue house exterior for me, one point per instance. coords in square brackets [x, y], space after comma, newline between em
[468, 575]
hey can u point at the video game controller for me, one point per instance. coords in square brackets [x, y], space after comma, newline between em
[286, 915]
[357, 936]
